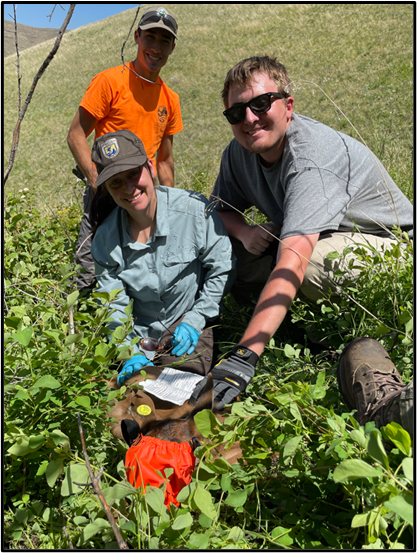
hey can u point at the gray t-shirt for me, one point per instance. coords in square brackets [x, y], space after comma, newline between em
[324, 181]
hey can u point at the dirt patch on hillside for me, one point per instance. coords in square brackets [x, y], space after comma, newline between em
[27, 37]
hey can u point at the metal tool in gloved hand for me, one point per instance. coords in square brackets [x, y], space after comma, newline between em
[131, 367]
[231, 376]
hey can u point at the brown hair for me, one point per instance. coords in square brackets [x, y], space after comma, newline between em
[245, 70]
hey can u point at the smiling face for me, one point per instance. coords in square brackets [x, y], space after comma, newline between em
[134, 190]
[262, 134]
[154, 48]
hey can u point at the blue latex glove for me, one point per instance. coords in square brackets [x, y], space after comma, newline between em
[185, 339]
[131, 367]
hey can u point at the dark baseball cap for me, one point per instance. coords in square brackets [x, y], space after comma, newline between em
[116, 152]
[158, 17]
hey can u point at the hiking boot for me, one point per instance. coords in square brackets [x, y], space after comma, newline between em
[370, 383]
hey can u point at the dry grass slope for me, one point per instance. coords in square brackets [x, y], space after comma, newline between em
[361, 55]
[27, 37]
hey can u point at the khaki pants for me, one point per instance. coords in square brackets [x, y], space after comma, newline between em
[253, 270]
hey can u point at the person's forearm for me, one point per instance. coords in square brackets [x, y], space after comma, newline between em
[234, 222]
[270, 311]
[165, 171]
[80, 150]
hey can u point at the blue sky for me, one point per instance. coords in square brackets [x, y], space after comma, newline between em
[36, 14]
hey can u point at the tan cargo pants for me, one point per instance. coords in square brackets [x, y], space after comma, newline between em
[253, 270]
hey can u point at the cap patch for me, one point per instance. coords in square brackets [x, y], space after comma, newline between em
[110, 148]
[162, 12]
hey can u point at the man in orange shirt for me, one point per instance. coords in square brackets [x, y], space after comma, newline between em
[131, 97]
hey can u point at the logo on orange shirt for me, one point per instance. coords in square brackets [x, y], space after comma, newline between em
[162, 114]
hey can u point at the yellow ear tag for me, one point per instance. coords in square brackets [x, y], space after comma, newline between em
[144, 410]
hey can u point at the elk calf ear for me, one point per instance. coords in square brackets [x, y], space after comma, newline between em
[130, 430]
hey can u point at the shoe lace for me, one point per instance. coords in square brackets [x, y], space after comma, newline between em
[386, 389]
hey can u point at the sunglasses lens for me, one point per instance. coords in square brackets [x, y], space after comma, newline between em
[235, 114]
[149, 344]
[260, 104]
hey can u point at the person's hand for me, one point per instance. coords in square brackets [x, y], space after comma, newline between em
[256, 239]
[185, 339]
[131, 367]
[232, 376]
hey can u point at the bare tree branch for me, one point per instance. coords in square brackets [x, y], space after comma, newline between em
[53, 9]
[128, 35]
[38, 75]
[96, 486]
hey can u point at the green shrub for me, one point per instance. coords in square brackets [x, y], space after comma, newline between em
[312, 477]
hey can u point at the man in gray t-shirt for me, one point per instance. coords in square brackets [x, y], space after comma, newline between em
[316, 185]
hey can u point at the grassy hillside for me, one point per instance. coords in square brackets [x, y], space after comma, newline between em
[27, 37]
[361, 55]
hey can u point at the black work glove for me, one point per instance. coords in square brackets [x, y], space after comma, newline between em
[231, 376]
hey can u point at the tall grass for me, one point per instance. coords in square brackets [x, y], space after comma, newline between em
[361, 55]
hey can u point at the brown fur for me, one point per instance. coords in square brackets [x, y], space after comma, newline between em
[166, 421]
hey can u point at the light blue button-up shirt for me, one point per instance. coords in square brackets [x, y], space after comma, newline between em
[185, 268]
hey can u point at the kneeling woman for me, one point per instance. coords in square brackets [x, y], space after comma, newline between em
[165, 248]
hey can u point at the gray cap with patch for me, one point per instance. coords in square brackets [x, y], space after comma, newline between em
[116, 152]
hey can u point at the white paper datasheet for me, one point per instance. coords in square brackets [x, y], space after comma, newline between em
[172, 385]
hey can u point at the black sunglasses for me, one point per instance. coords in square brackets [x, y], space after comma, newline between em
[152, 344]
[260, 104]
[154, 17]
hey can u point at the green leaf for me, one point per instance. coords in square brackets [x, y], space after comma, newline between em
[364, 519]
[184, 494]
[36, 441]
[24, 336]
[55, 336]
[60, 439]
[333, 255]
[219, 466]
[84, 401]
[236, 534]
[74, 473]
[237, 498]
[403, 506]
[91, 529]
[280, 535]
[118, 491]
[53, 471]
[73, 338]
[225, 482]
[399, 437]
[183, 521]
[101, 349]
[118, 333]
[359, 437]
[206, 422]
[42, 281]
[290, 352]
[199, 540]
[408, 468]
[330, 537]
[353, 469]
[204, 502]
[80, 520]
[155, 498]
[21, 447]
[291, 447]
[72, 298]
[129, 309]
[376, 449]
[48, 381]
[382, 329]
